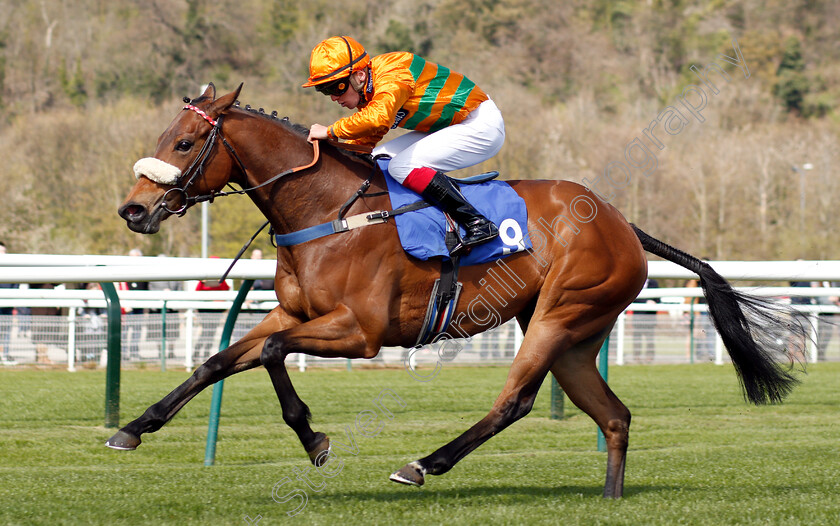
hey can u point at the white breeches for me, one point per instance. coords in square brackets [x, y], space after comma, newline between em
[477, 138]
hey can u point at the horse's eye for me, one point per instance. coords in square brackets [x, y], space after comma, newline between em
[183, 146]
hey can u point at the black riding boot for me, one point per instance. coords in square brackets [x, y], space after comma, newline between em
[442, 193]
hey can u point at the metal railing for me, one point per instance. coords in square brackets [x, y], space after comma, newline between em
[183, 333]
[192, 320]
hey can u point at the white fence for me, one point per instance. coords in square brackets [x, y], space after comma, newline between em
[661, 333]
[669, 332]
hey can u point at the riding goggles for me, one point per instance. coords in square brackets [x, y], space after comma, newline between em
[335, 88]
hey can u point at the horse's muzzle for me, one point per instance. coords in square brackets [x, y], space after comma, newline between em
[138, 218]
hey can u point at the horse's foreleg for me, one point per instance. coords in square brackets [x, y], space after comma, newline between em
[336, 335]
[295, 412]
[243, 355]
[515, 401]
[577, 374]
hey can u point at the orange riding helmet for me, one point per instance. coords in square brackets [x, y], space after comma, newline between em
[335, 58]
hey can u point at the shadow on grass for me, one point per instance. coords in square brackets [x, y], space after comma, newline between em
[511, 494]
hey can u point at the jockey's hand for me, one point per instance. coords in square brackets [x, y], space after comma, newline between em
[318, 131]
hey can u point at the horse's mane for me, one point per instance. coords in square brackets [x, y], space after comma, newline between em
[297, 128]
[302, 131]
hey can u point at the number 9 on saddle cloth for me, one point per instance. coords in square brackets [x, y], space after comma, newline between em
[423, 232]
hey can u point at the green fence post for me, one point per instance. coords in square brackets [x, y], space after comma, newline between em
[691, 332]
[557, 400]
[163, 338]
[112, 371]
[603, 366]
[218, 387]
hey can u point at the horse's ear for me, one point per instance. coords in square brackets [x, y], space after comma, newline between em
[220, 105]
[209, 92]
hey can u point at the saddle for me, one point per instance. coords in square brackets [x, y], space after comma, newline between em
[425, 230]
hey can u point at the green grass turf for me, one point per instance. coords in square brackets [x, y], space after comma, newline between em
[698, 454]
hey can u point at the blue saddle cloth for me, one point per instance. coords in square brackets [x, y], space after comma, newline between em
[422, 232]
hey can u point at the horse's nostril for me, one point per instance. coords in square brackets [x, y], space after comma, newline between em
[132, 212]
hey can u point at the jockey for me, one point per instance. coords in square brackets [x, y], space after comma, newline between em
[454, 123]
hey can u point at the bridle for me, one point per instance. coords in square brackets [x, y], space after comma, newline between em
[198, 165]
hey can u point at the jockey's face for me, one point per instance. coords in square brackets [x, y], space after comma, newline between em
[350, 99]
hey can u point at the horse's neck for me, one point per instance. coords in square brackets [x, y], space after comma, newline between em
[297, 200]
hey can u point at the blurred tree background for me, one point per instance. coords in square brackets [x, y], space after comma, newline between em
[86, 86]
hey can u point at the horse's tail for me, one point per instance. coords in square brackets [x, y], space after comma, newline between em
[756, 331]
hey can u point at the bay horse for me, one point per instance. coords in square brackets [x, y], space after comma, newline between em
[347, 295]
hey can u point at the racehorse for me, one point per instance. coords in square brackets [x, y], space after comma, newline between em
[349, 294]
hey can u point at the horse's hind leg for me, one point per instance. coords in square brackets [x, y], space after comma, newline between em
[577, 374]
[515, 401]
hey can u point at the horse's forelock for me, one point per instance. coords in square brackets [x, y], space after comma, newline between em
[197, 100]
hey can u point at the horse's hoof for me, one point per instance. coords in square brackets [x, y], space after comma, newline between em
[412, 474]
[318, 455]
[123, 441]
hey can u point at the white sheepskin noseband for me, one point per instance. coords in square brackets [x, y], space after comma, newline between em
[157, 170]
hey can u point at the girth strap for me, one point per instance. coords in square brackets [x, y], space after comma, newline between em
[333, 227]
[343, 225]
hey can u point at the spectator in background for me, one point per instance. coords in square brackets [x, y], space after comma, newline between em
[829, 321]
[6, 322]
[704, 329]
[244, 325]
[644, 328]
[134, 318]
[45, 332]
[91, 335]
[173, 324]
[705, 334]
[24, 316]
[261, 284]
[801, 300]
[209, 319]
[824, 326]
